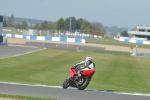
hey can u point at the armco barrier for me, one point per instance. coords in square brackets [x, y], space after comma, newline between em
[45, 38]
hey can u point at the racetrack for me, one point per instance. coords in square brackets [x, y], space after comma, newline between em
[65, 94]
[18, 48]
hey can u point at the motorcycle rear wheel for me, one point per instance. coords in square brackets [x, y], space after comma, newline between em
[85, 83]
[65, 84]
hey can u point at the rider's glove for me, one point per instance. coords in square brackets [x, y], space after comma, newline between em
[74, 66]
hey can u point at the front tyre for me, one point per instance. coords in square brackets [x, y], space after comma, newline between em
[66, 84]
[86, 81]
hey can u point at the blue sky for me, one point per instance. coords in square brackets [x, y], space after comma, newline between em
[120, 13]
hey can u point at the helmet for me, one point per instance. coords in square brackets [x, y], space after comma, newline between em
[88, 58]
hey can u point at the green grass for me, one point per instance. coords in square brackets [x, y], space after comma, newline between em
[111, 41]
[115, 71]
[119, 43]
[12, 32]
[5, 96]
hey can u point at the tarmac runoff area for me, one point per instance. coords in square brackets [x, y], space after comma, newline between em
[66, 45]
[11, 51]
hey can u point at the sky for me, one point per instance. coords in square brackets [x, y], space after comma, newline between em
[120, 13]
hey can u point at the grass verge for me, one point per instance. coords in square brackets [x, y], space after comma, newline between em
[115, 71]
[17, 97]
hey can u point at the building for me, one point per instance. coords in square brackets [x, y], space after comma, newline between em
[140, 32]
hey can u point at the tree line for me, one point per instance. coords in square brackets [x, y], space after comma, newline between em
[69, 24]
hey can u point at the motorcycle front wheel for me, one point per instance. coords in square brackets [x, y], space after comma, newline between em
[65, 84]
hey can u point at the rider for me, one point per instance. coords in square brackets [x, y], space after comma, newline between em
[88, 64]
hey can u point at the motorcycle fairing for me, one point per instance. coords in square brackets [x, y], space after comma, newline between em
[72, 72]
[88, 72]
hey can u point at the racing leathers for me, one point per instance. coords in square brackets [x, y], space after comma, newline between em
[88, 64]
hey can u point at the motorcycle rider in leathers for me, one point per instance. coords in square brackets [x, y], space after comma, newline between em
[88, 64]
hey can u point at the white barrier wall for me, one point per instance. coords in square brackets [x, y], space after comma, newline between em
[55, 39]
[146, 42]
[40, 38]
[70, 39]
[46, 38]
[83, 41]
[132, 41]
[9, 35]
[138, 41]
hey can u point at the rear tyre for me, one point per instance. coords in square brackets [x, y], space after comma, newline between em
[66, 84]
[85, 83]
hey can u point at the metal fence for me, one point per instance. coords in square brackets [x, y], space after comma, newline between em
[141, 52]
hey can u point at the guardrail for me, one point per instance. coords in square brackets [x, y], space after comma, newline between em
[45, 38]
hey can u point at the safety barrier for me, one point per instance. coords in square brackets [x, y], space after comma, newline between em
[141, 52]
[45, 38]
[127, 40]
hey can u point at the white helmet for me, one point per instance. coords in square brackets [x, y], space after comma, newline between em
[88, 58]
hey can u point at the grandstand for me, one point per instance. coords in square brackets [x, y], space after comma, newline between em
[140, 33]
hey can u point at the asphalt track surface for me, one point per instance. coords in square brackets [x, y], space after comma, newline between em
[65, 94]
[63, 46]
[56, 92]
[10, 51]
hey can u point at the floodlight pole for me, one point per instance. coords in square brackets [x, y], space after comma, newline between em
[70, 25]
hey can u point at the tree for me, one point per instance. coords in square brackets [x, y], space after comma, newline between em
[79, 23]
[124, 33]
[72, 21]
[60, 24]
[86, 26]
[97, 26]
[37, 26]
[24, 25]
[44, 25]
[18, 26]
[4, 22]
[50, 26]
[31, 26]
[10, 21]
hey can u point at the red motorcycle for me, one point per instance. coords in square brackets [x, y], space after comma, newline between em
[73, 79]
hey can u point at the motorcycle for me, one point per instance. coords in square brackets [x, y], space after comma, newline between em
[73, 79]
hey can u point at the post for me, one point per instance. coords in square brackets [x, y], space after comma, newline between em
[40, 32]
[1, 26]
[6, 40]
[136, 49]
[70, 25]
